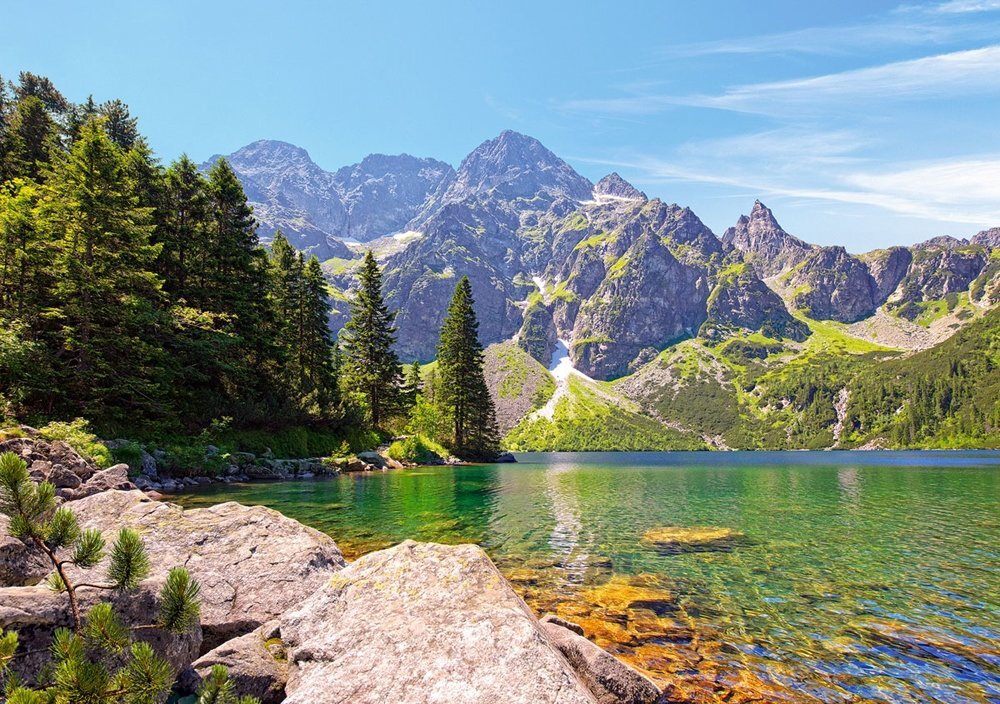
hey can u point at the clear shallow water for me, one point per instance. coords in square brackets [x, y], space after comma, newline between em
[863, 576]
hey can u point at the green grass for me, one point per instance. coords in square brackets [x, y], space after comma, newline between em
[585, 421]
[417, 449]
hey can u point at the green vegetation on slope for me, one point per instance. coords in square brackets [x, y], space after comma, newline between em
[585, 419]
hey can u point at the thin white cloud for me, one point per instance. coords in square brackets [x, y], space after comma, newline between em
[961, 191]
[968, 6]
[971, 72]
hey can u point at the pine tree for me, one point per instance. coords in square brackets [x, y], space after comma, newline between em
[412, 384]
[29, 141]
[463, 386]
[319, 340]
[371, 367]
[107, 290]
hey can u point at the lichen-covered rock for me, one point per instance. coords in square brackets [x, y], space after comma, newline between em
[610, 680]
[422, 623]
[252, 562]
[257, 665]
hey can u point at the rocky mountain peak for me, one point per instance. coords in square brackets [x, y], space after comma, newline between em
[270, 153]
[988, 238]
[614, 186]
[941, 242]
[513, 166]
[764, 242]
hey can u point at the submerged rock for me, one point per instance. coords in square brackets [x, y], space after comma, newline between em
[423, 623]
[610, 680]
[694, 539]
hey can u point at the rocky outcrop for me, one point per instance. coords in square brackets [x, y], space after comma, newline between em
[610, 680]
[252, 562]
[741, 300]
[257, 665]
[832, 285]
[888, 267]
[115, 477]
[517, 382]
[939, 270]
[614, 186]
[56, 462]
[447, 628]
[764, 243]
[987, 238]
[538, 335]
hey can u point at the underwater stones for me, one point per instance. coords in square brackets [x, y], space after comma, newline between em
[676, 539]
[610, 680]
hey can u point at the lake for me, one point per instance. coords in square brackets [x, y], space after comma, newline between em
[857, 576]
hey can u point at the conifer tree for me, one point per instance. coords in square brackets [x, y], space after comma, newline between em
[319, 340]
[29, 141]
[371, 367]
[107, 290]
[463, 387]
[412, 384]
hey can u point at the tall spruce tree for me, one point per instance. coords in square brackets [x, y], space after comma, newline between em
[371, 367]
[463, 387]
[108, 293]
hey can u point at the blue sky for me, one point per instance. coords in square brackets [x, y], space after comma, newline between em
[860, 123]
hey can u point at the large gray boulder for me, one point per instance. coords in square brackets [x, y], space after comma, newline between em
[36, 612]
[610, 680]
[252, 562]
[422, 623]
[257, 665]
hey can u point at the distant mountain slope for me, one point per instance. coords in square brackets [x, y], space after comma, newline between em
[317, 209]
[757, 339]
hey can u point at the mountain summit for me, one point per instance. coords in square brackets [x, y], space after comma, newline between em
[764, 243]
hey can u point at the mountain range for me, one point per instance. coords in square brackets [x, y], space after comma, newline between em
[614, 283]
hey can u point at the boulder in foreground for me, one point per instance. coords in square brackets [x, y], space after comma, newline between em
[422, 623]
[252, 562]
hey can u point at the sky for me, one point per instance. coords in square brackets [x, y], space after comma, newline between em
[862, 123]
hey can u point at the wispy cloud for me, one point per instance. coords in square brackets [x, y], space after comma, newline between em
[961, 191]
[909, 25]
[968, 6]
[975, 71]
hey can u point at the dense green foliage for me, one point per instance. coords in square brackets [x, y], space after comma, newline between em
[416, 449]
[138, 296]
[462, 386]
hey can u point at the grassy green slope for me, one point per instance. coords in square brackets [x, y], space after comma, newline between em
[589, 417]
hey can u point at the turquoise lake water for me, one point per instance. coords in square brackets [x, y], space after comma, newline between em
[859, 576]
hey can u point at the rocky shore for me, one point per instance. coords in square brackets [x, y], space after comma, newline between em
[293, 622]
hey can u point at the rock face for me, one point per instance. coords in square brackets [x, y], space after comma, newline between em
[631, 277]
[888, 267]
[257, 665]
[610, 680]
[115, 477]
[740, 299]
[832, 285]
[614, 186]
[315, 208]
[987, 238]
[447, 628]
[252, 563]
[764, 243]
[940, 269]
